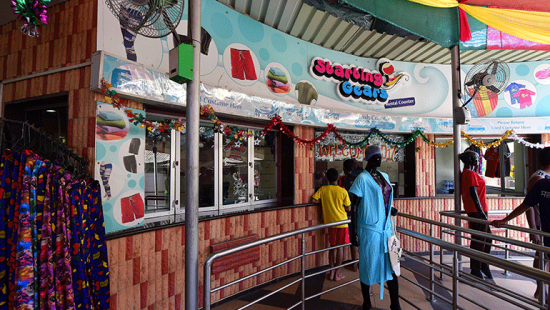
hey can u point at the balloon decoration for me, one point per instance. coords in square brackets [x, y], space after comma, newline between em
[33, 12]
[234, 134]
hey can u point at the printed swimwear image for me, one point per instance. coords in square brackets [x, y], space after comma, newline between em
[524, 96]
[132, 17]
[306, 92]
[242, 65]
[206, 38]
[130, 163]
[110, 126]
[105, 169]
[513, 88]
[132, 208]
[277, 81]
[134, 146]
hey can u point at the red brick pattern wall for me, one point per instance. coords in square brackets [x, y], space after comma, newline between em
[304, 166]
[429, 208]
[545, 138]
[147, 270]
[68, 39]
[425, 168]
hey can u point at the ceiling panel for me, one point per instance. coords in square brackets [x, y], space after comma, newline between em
[309, 24]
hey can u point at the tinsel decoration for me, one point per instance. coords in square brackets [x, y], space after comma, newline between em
[234, 134]
[33, 13]
[480, 143]
[528, 144]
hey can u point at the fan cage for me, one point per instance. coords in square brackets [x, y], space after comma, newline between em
[154, 19]
[474, 78]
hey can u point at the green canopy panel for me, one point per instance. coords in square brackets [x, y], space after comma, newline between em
[439, 25]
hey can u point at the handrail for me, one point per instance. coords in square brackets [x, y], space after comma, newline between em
[457, 215]
[479, 233]
[457, 276]
[213, 256]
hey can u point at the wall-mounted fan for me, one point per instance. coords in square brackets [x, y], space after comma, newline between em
[150, 18]
[486, 79]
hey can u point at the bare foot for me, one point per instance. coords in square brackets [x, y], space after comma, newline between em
[338, 277]
[331, 275]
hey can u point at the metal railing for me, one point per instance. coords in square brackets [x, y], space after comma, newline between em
[453, 271]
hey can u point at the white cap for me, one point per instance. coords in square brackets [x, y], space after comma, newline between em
[371, 151]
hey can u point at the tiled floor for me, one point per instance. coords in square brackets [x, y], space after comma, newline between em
[349, 297]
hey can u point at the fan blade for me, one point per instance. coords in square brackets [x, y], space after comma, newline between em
[493, 89]
[495, 68]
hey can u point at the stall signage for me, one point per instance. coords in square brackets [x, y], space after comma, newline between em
[357, 83]
[339, 151]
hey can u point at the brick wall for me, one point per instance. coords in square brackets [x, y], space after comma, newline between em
[304, 166]
[425, 168]
[68, 39]
[147, 270]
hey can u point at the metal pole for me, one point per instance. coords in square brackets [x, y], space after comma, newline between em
[441, 274]
[506, 252]
[303, 272]
[455, 91]
[155, 178]
[192, 164]
[455, 280]
[432, 274]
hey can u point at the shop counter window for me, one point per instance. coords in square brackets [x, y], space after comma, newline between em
[503, 167]
[234, 174]
[331, 153]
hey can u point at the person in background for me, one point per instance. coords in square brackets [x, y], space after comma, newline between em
[334, 203]
[538, 195]
[371, 209]
[533, 214]
[346, 181]
[475, 204]
[358, 168]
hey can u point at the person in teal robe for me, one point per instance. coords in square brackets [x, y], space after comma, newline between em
[371, 200]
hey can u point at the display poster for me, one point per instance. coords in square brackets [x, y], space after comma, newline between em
[120, 147]
[144, 84]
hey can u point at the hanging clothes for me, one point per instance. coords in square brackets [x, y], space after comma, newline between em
[52, 237]
[493, 158]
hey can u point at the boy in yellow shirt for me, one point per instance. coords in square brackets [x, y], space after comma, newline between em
[334, 202]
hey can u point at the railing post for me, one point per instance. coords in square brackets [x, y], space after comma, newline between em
[455, 280]
[303, 272]
[542, 291]
[441, 276]
[206, 285]
[432, 274]
[506, 252]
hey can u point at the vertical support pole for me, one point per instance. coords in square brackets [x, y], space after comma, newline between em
[506, 252]
[455, 280]
[542, 291]
[441, 274]
[455, 91]
[432, 273]
[303, 272]
[192, 164]
[206, 285]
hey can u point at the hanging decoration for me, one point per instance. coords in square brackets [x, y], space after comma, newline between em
[235, 135]
[138, 119]
[33, 12]
[528, 144]
[529, 25]
[480, 143]
[155, 127]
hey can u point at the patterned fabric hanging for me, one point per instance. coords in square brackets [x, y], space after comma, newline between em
[53, 252]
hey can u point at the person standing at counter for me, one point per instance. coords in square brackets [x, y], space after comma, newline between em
[475, 204]
[371, 208]
[334, 203]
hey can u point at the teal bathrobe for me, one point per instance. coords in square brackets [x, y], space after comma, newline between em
[373, 230]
